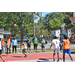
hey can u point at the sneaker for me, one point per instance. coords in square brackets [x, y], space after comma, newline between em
[53, 60]
[25, 55]
[3, 60]
[58, 60]
[7, 53]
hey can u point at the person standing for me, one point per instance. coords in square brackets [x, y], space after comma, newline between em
[28, 45]
[35, 43]
[1, 45]
[14, 45]
[8, 43]
[66, 48]
[43, 44]
[56, 43]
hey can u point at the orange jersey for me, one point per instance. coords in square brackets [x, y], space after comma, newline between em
[66, 44]
[8, 41]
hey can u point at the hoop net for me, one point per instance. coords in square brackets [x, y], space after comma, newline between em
[72, 19]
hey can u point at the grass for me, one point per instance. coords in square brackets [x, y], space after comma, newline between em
[39, 50]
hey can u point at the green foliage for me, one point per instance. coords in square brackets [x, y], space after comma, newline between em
[24, 20]
[53, 20]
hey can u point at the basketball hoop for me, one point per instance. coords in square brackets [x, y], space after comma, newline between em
[72, 19]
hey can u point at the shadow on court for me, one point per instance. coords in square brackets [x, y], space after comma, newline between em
[43, 60]
[17, 56]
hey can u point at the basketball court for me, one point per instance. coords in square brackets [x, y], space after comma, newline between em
[34, 57]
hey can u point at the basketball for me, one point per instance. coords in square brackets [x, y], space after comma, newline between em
[14, 25]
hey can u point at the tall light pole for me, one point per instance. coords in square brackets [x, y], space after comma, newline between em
[33, 24]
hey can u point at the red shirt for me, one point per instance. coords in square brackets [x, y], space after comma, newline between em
[2, 42]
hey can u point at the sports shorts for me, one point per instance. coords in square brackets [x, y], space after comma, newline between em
[24, 50]
[0, 51]
[43, 46]
[28, 45]
[8, 46]
[66, 51]
[35, 46]
[57, 50]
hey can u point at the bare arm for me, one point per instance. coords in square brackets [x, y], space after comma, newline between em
[10, 35]
[19, 45]
[60, 44]
[51, 46]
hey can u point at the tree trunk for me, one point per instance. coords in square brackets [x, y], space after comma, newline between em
[21, 29]
[33, 24]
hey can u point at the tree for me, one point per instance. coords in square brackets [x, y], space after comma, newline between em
[53, 20]
[21, 19]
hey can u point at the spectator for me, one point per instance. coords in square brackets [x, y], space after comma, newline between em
[35, 43]
[28, 45]
[3, 45]
[8, 43]
[43, 44]
[14, 44]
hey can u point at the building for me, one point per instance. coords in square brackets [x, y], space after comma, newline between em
[63, 32]
[55, 33]
[2, 33]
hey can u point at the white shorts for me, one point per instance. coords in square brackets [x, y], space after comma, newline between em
[57, 50]
[8, 46]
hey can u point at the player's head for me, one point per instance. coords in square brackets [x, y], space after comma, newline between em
[21, 41]
[54, 37]
[0, 39]
[65, 37]
[14, 38]
[34, 36]
[42, 38]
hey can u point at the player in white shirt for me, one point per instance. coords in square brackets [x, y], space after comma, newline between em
[24, 48]
[56, 43]
[1, 50]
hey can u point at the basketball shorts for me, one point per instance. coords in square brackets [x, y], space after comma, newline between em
[8, 46]
[24, 50]
[57, 50]
[28, 45]
[35, 46]
[43, 46]
[0, 51]
[66, 51]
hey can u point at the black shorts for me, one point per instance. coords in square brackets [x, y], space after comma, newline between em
[43, 46]
[0, 51]
[24, 50]
[28, 46]
[35, 46]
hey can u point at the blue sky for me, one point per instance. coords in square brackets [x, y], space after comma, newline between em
[43, 14]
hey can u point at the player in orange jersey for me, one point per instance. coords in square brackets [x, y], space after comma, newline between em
[8, 43]
[66, 48]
